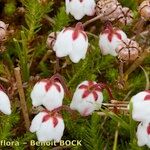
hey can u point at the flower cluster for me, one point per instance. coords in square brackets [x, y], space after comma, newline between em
[108, 10]
[49, 124]
[115, 42]
[140, 112]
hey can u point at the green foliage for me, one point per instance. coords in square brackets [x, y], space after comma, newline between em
[61, 20]
[132, 4]
[7, 124]
[26, 48]
[33, 16]
[10, 8]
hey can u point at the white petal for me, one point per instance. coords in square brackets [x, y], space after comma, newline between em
[75, 8]
[53, 98]
[63, 44]
[139, 97]
[48, 132]
[38, 93]
[80, 46]
[4, 103]
[141, 111]
[142, 134]
[89, 7]
[67, 6]
[37, 121]
[59, 130]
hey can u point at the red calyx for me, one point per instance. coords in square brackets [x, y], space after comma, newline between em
[53, 116]
[91, 88]
[148, 129]
[50, 83]
[76, 31]
[147, 97]
[111, 31]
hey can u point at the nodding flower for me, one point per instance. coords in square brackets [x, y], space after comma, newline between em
[72, 42]
[79, 8]
[140, 106]
[5, 106]
[49, 93]
[48, 126]
[143, 134]
[87, 97]
[110, 38]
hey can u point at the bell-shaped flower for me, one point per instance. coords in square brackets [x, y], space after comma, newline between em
[140, 106]
[143, 134]
[79, 8]
[87, 98]
[72, 42]
[110, 39]
[5, 106]
[48, 126]
[48, 93]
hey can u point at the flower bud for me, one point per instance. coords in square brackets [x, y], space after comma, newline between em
[144, 10]
[109, 9]
[128, 50]
[126, 16]
[51, 40]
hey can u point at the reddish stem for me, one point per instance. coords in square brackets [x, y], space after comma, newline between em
[2, 88]
[104, 86]
[58, 77]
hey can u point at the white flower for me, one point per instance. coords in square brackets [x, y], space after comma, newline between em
[4, 103]
[47, 127]
[87, 98]
[109, 40]
[72, 42]
[143, 134]
[47, 93]
[141, 104]
[79, 8]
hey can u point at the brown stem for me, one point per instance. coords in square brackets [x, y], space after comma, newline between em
[92, 20]
[136, 64]
[22, 97]
[49, 19]
[121, 69]
[58, 77]
[104, 86]
[63, 107]
[57, 67]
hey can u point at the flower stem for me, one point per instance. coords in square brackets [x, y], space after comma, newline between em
[104, 86]
[136, 63]
[116, 137]
[22, 97]
[92, 20]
